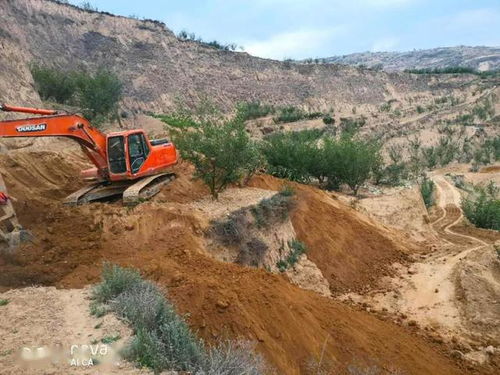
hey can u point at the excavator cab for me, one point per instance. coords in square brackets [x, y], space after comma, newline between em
[132, 155]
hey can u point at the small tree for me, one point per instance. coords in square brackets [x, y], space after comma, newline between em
[98, 95]
[350, 161]
[53, 84]
[221, 152]
[427, 191]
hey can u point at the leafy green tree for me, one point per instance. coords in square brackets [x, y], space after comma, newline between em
[53, 84]
[98, 95]
[350, 161]
[221, 152]
[290, 155]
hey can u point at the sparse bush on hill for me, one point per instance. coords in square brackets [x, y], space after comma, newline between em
[290, 114]
[162, 340]
[484, 110]
[297, 249]
[184, 35]
[53, 84]
[97, 95]
[328, 120]
[442, 154]
[350, 126]
[482, 208]
[253, 110]
[448, 70]
[427, 191]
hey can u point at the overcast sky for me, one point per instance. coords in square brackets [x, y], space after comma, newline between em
[320, 28]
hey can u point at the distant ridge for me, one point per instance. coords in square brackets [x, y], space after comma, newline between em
[478, 58]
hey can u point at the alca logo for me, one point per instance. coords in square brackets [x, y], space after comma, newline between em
[31, 128]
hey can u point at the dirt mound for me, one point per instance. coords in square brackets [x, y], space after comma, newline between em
[490, 169]
[403, 209]
[352, 251]
[478, 288]
[165, 241]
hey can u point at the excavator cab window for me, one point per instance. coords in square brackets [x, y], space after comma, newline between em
[138, 151]
[116, 154]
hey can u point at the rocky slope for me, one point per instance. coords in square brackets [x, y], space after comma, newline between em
[156, 67]
[478, 58]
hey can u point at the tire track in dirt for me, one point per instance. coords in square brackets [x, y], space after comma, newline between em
[426, 291]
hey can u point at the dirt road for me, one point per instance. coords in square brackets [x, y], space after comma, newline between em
[427, 291]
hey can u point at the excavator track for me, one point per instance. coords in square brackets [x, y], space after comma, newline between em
[96, 192]
[146, 188]
[133, 192]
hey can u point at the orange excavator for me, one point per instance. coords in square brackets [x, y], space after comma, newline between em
[126, 163]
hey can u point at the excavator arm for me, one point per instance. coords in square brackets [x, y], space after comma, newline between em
[53, 124]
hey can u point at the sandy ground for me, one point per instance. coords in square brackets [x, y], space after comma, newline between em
[44, 324]
[437, 292]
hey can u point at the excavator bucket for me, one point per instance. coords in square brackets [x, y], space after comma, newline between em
[11, 232]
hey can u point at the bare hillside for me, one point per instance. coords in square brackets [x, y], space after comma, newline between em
[157, 67]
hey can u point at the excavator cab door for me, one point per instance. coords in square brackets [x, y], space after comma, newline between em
[116, 155]
[138, 151]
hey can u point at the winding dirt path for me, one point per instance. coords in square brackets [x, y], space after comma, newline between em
[426, 291]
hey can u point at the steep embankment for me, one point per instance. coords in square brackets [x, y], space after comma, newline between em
[164, 240]
[351, 251]
[156, 67]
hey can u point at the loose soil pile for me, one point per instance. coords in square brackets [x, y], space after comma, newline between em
[352, 251]
[164, 241]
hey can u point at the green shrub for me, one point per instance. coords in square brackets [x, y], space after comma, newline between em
[328, 120]
[349, 161]
[53, 84]
[483, 208]
[290, 155]
[290, 114]
[253, 110]
[4, 302]
[297, 248]
[177, 121]
[221, 152]
[97, 95]
[350, 126]
[448, 70]
[272, 210]
[386, 107]
[184, 35]
[115, 280]
[427, 190]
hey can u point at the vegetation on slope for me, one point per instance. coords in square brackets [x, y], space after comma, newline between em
[162, 340]
[427, 191]
[482, 207]
[97, 95]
